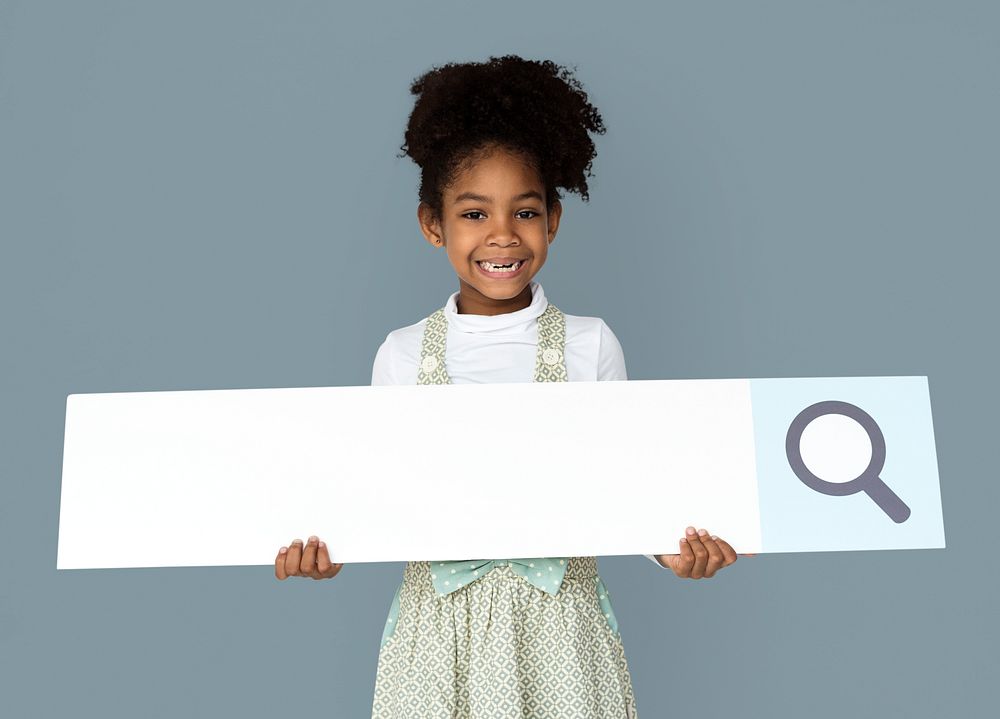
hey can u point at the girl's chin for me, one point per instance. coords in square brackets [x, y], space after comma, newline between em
[497, 290]
[496, 293]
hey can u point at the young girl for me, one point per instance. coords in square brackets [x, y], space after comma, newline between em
[501, 638]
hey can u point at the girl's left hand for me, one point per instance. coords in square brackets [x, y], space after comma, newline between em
[701, 555]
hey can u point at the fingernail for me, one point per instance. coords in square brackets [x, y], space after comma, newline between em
[683, 540]
[714, 537]
[296, 541]
[282, 550]
[690, 530]
[313, 539]
[702, 532]
[322, 544]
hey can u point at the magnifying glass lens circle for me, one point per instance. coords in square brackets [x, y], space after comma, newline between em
[835, 448]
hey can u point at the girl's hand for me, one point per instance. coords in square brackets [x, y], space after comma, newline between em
[313, 562]
[701, 555]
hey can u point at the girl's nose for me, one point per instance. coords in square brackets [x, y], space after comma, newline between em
[502, 232]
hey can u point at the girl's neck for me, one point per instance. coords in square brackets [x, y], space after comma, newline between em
[471, 301]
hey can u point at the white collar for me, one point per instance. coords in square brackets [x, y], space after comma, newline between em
[502, 324]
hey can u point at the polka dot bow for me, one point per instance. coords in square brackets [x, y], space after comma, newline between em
[546, 573]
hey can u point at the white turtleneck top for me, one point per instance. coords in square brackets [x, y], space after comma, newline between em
[502, 348]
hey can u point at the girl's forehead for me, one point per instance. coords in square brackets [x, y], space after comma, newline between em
[506, 175]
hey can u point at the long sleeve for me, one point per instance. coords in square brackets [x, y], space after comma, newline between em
[382, 367]
[610, 358]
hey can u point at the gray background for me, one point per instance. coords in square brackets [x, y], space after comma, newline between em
[205, 195]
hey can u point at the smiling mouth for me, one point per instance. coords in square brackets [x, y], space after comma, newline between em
[499, 269]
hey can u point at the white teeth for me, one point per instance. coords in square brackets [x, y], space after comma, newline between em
[490, 267]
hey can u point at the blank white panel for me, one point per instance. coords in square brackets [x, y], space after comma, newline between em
[414, 472]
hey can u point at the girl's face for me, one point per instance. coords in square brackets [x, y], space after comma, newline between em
[494, 212]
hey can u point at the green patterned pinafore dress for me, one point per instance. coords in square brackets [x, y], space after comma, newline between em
[506, 638]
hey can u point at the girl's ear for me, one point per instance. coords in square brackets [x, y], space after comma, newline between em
[555, 212]
[430, 227]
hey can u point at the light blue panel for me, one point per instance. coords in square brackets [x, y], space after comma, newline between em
[796, 518]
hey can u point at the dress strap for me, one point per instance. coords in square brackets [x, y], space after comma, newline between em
[550, 361]
[432, 349]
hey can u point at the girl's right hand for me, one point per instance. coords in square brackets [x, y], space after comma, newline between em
[313, 562]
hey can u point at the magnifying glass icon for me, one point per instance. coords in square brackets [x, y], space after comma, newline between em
[868, 481]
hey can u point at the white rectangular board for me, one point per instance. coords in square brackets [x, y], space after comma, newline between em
[416, 472]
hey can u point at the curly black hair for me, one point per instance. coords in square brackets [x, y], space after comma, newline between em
[536, 109]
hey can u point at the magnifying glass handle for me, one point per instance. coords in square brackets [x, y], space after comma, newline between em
[888, 501]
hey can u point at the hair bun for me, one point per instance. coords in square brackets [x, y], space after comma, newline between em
[534, 107]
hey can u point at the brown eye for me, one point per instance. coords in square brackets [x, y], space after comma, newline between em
[473, 212]
[531, 211]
